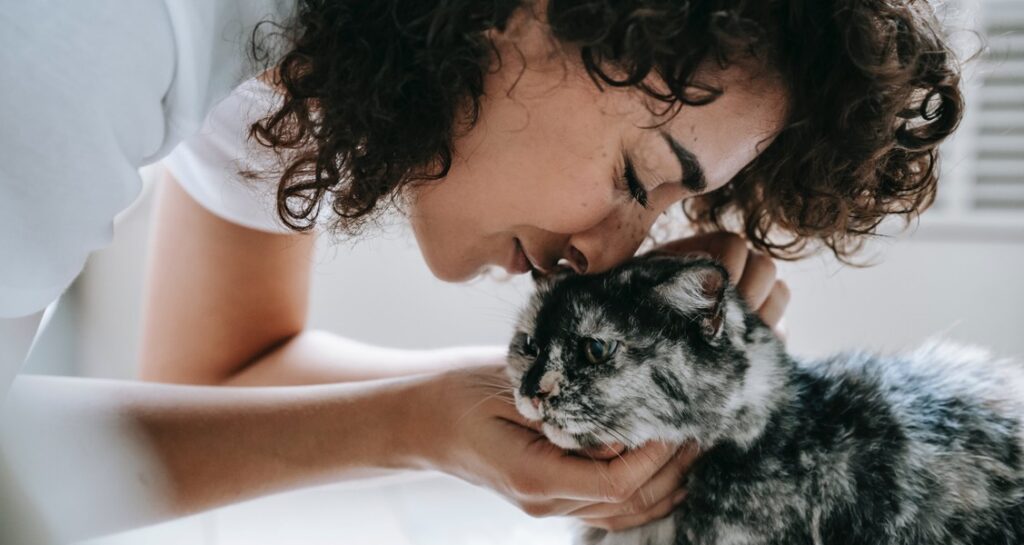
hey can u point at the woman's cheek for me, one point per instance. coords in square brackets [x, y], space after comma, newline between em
[576, 204]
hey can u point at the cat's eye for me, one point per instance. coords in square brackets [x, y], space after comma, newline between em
[529, 346]
[598, 350]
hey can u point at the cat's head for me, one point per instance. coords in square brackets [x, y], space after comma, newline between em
[658, 348]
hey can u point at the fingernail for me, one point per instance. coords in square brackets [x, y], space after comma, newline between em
[679, 497]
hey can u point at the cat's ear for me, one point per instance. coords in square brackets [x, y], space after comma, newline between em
[698, 289]
[713, 281]
[547, 281]
[653, 268]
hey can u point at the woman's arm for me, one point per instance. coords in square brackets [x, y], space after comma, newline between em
[227, 305]
[97, 456]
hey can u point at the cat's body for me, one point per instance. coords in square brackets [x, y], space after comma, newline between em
[926, 448]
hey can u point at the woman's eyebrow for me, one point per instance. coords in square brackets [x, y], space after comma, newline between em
[693, 174]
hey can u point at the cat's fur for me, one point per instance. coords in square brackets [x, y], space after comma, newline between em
[924, 448]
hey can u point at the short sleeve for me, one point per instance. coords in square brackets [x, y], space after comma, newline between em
[224, 170]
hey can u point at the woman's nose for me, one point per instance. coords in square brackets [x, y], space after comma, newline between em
[607, 256]
[619, 236]
[577, 260]
[605, 246]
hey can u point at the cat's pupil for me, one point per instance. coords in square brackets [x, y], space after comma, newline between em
[529, 346]
[598, 350]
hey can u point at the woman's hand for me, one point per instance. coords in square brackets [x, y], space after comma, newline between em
[753, 273]
[474, 432]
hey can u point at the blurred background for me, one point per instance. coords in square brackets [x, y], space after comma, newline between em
[956, 274]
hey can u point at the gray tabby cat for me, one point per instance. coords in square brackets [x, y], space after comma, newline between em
[855, 449]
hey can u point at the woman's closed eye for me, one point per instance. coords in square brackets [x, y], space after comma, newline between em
[630, 183]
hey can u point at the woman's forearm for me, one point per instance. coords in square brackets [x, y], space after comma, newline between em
[228, 305]
[99, 456]
[319, 357]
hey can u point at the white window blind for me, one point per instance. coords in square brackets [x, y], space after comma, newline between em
[999, 127]
[982, 181]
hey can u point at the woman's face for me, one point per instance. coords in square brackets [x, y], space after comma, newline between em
[541, 176]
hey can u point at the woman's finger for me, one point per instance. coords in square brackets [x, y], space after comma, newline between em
[758, 278]
[661, 509]
[665, 483]
[774, 306]
[552, 508]
[781, 331]
[546, 471]
[635, 468]
[604, 452]
[729, 249]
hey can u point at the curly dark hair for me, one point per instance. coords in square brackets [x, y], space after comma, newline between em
[376, 91]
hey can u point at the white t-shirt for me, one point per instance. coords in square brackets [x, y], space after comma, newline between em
[91, 92]
[210, 164]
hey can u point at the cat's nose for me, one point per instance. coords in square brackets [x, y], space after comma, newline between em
[539, 396]
[546, 387]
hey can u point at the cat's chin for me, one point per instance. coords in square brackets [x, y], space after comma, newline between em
[526, 409]
[561, 437]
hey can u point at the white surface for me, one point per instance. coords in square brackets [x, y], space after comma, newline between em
[422, 510]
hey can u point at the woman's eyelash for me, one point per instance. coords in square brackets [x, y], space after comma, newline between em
[636, 189]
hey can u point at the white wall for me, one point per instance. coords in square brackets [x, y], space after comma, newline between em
[967, 289]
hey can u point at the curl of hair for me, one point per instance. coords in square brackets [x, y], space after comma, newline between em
[376, 90]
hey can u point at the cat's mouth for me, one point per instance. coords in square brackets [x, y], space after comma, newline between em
[568, 431]
[571, 433]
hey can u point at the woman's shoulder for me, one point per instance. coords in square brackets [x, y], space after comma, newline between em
[226, 171]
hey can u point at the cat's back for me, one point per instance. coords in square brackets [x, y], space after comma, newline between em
[936, 393]
[939, 432]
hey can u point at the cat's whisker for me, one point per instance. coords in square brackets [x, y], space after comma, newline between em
[598, 466]
[507, 318]
[502, 398]
[498, 392]
[602, 473]
[496, 386]
[621, 437]
[476, 405]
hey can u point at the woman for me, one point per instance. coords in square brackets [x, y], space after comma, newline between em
[519, 135]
